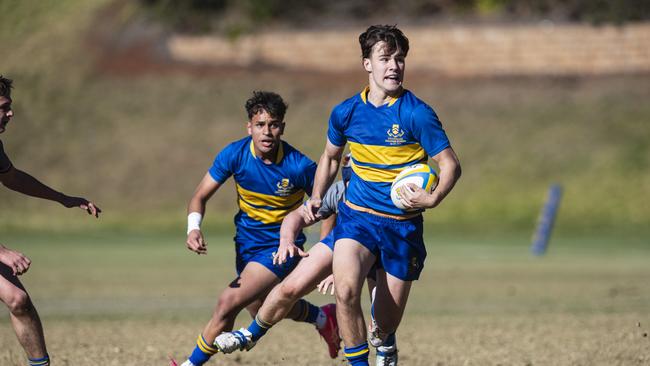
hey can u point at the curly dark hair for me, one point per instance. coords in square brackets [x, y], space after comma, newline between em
[5, 87]
[270, 102]
[394, 38]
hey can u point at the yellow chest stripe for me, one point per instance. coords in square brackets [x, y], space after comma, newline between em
[387, 155]
[265, 215]
[370, 174]
[260, 199]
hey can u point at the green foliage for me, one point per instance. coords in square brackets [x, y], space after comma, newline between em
[232, 17]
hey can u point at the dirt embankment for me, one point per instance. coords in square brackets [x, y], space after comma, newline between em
[447, 51]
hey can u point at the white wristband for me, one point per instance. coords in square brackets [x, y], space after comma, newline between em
[194, 221]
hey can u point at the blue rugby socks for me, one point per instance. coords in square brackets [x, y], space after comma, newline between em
[357, 355]
[307, 312]
[202, 352]
[258, 328]
[43, 361]
[310, 313]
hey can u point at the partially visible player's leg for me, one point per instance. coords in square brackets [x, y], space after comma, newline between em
[24, 318]
[254, 307]
[301, 281]
[391, 296]
[351, 264]
[390, 301]
[284, 301]
[254, 282]
[402, 258]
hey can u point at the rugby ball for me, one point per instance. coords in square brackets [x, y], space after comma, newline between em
[422, 175]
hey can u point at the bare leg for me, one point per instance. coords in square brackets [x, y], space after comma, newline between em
[254, 282]
[351, 264]
[371, 286]
[24, 318]
[390, 301]
[301, 281]
[255, 306]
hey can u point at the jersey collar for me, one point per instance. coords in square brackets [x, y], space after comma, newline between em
[278, 158]
[364, 96]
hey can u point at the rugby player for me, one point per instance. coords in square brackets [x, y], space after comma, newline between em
[24, 318]
[315, 267]
[272, 178]
[388, 128]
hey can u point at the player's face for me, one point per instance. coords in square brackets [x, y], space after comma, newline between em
[386, 70]
[266, 131]
[6, 113]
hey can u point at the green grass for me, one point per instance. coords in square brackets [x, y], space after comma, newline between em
[134, 297]
[135, 273]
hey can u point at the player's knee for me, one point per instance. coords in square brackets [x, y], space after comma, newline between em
[227, 306]
[19, 303]
[289, 291]
[346, 294]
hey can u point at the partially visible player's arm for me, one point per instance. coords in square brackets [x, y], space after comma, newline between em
[19, 181]
[328, 166]
[292, 224]
[195, 211]
[450, 171]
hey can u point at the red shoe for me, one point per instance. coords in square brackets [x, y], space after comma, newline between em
[172, 362]
[330, 331]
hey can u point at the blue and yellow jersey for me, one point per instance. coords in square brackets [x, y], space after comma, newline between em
[383, 141]
[266, 193]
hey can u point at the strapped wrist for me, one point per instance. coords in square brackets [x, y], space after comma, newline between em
[194, 221]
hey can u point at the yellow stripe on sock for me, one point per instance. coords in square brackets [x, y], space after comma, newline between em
[262, 323]
[206, 348]
[355, 354]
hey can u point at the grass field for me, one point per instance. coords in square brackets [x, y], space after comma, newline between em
[133, 298]
[137, 143]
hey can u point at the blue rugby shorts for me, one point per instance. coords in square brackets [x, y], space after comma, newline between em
[264, 256]
[397, 244]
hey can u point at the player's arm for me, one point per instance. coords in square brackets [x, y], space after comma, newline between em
[195, 211]
[328, 166]
[292, 224]
[19, 181]
[450, 172]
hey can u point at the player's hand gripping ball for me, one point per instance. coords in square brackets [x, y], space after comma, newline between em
[422, 175]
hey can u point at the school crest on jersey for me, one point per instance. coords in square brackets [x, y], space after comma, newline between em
[284, 187]
[395, 135]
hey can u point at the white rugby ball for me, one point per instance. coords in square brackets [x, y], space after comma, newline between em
[422, 175]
